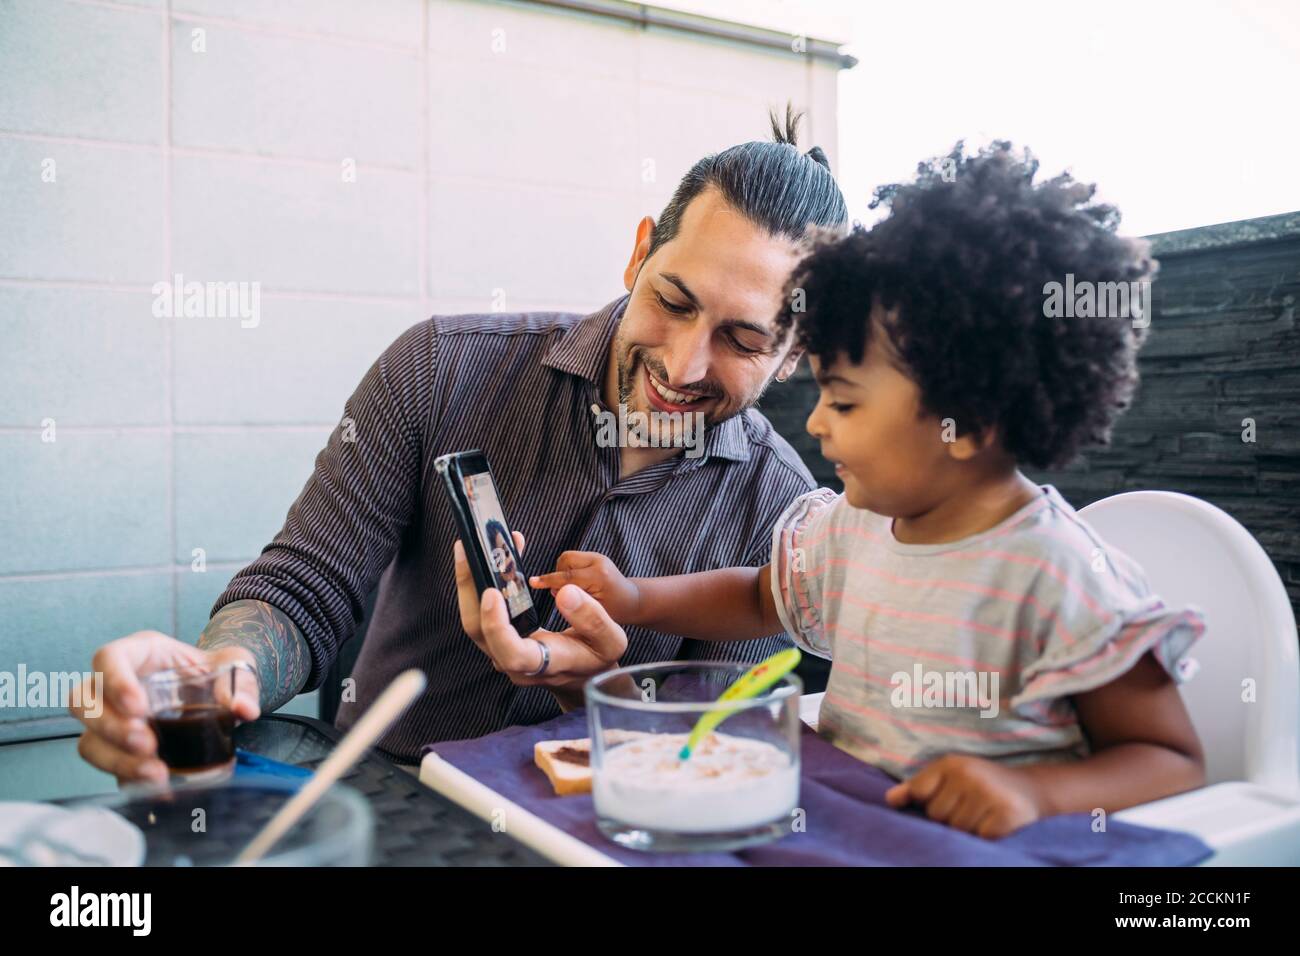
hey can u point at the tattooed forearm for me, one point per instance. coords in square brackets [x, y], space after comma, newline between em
[283, 660]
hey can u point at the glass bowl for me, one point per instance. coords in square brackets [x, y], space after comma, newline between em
[738, 788]
[208, 824]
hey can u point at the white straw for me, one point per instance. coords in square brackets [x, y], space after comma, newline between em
[528, 828]
[391, 703]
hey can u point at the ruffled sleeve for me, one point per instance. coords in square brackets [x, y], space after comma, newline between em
[1096, 659]
[798, 552]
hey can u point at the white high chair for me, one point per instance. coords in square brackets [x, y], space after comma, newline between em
[1195, 553]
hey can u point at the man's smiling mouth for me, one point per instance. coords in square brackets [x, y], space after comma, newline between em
[670, 396]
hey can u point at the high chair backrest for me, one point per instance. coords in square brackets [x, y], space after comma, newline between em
[1245, 698]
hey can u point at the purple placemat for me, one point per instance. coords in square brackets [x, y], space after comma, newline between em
[847, 820]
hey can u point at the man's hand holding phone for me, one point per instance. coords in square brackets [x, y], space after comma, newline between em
[592, 644]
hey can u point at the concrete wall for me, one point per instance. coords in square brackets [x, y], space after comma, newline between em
[503, 154]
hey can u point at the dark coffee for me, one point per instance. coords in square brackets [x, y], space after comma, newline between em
[195, 737]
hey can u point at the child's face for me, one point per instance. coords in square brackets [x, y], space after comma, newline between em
[892, 459]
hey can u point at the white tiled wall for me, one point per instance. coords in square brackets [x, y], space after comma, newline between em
[501, 154]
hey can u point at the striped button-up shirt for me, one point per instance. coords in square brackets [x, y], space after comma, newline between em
[521, 387]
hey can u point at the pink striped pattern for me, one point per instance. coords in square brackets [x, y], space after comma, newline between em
[1020, 605]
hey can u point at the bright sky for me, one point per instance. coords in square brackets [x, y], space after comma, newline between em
[1184, 112]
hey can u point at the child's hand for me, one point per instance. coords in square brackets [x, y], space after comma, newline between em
[972, 794]
[595, 574]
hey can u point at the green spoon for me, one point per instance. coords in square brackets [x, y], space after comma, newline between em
[750, 684]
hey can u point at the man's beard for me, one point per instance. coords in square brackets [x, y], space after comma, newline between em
[627, 370]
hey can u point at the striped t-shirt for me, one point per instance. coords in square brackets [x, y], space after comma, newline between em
[972, 646]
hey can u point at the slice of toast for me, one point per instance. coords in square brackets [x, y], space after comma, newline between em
[567, 763]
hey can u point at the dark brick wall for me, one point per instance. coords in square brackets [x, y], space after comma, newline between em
[788, 405]
[1224, 345]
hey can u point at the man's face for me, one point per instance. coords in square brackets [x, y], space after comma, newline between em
[699, 332]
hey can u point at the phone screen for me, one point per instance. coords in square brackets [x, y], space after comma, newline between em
[497, 545]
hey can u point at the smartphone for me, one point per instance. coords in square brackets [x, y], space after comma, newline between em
[489, 545]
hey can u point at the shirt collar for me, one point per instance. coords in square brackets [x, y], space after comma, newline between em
[727, 440]
[584, 351]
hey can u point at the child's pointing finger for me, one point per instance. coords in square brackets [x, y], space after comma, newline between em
[572, 567]
[553, 579]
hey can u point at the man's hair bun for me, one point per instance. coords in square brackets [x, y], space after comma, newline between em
[818, 157]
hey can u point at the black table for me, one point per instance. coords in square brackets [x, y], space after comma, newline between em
[414, 826]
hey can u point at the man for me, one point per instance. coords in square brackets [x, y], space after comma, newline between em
[695, 335]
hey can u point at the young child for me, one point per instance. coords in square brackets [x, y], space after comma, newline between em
[942, 371]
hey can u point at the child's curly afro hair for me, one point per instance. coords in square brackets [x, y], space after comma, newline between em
[957, 273]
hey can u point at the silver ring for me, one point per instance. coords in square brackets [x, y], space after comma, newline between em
[546, 659]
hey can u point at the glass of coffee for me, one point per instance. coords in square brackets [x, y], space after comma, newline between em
[191, 715]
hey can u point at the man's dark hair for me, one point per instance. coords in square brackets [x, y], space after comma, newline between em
[771, 184]
[957, 273]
